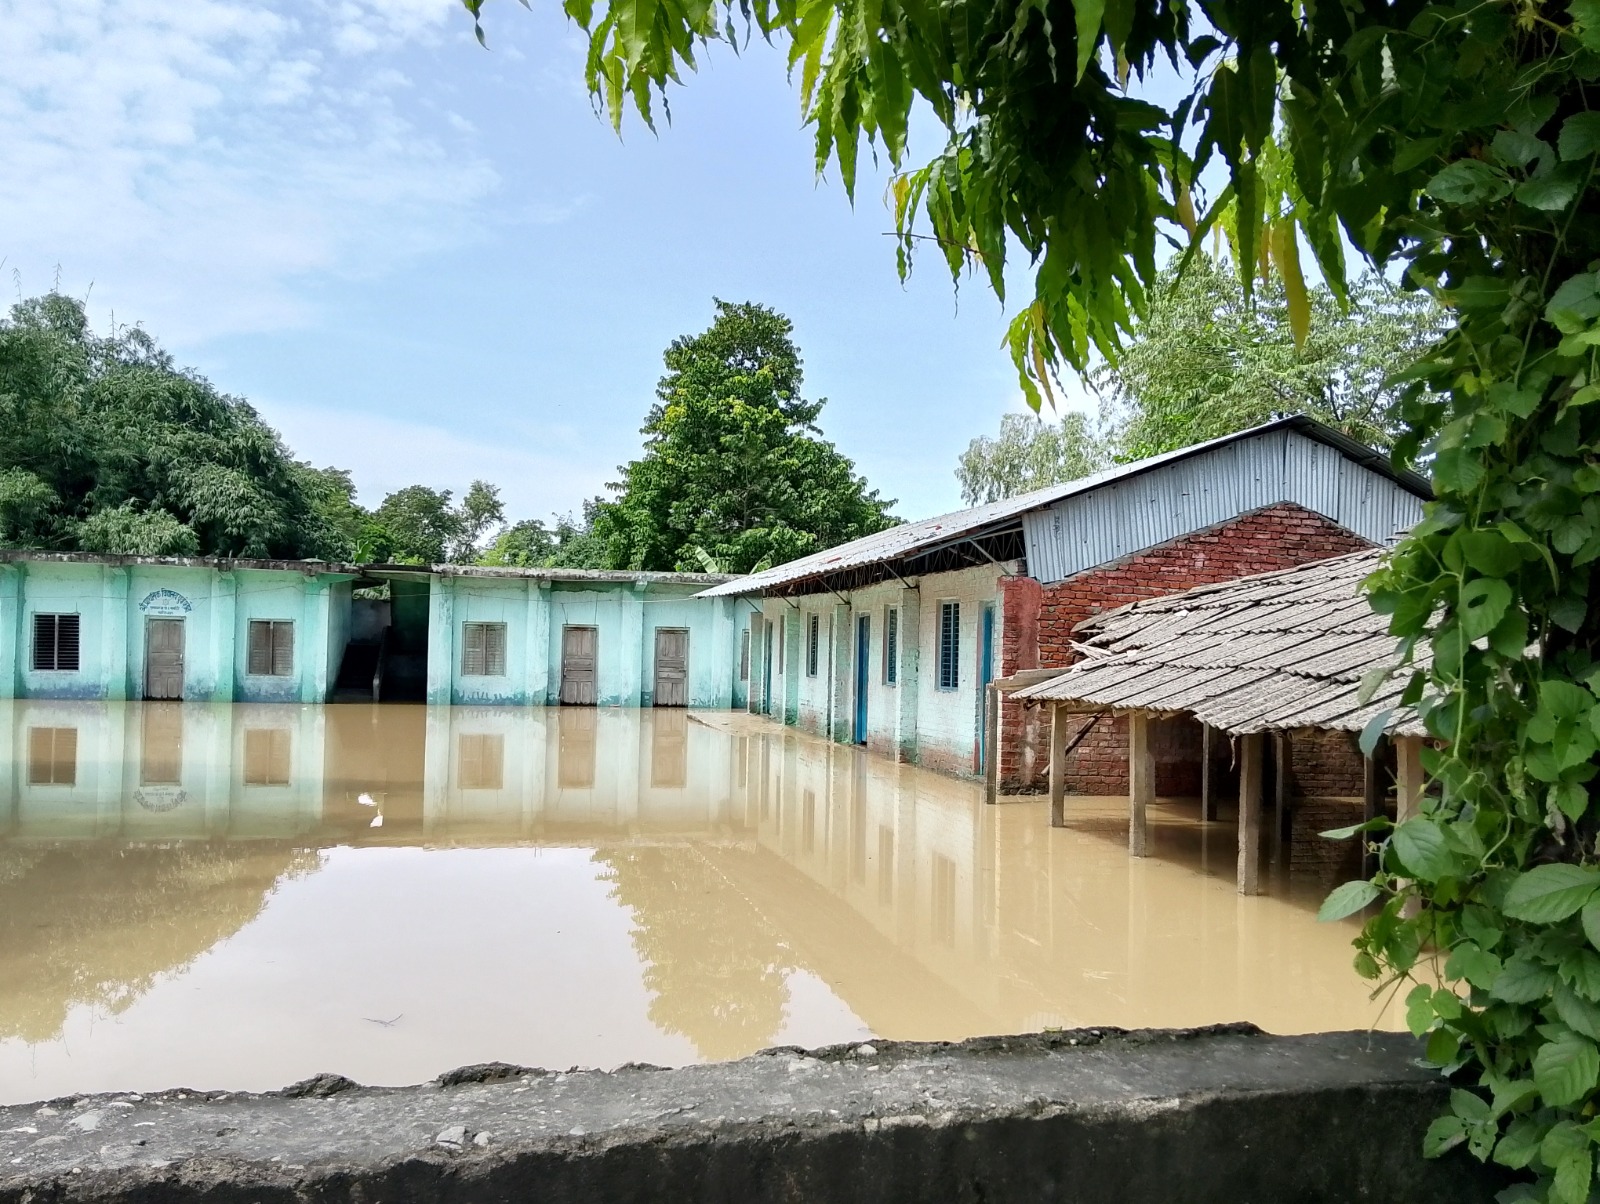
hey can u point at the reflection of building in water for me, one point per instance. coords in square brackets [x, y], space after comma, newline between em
[167, 771]
[745, 855]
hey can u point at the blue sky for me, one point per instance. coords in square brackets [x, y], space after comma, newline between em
[429, 262]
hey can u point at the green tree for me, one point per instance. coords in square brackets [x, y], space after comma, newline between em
[106, 444]
[1029, 454]
[1453, 142]
[1207, 360]
[419, 525]
[732, 464]
[523, 545]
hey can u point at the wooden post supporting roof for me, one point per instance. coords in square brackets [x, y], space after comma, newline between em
[1141, 783]
[1408, 777]
[1059, 715]
[1407, 791]
[1371, 800]
[1249, 870]
[1280, 787]
[1208, 784]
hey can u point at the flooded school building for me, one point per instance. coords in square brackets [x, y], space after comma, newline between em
[84, 626]
[910, 641]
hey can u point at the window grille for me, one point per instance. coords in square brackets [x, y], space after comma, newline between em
[949, 645]
[891, 645]
[271, 648]
[744, 656]
[483, 650]
[55, 643]
[813, 639]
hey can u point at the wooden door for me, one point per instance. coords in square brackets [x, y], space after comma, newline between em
[578, 652]
[163, 658]
[672, 667]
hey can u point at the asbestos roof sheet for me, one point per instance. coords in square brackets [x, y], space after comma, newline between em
[910, 539]
[1280, 650]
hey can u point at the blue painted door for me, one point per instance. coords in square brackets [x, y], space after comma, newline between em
[985, 676]
[766, 669]
[863, 658]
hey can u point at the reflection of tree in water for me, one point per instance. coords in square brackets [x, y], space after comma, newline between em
[717, 971]
[96, 924]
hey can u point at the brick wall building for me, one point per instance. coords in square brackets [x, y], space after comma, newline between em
[1276, 537]
[987, 592]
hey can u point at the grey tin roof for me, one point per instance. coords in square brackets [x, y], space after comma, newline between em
[1265, 653]
[910, 540]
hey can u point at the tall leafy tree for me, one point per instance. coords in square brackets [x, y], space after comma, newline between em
[105, 444]
[420, 525]
[733, 467]
[1453, 141]
[1207, 359]
[1029, 454]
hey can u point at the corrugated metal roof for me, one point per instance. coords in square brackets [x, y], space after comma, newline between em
[911, 539]
[1263, 469]
[1280, 650]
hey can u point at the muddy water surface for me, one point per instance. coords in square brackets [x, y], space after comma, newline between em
[238, 897]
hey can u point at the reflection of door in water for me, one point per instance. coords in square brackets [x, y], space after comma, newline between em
[669, 751]
[161, 751]
[575, 750]
[163, 658]
[577, 666]
[672, 667]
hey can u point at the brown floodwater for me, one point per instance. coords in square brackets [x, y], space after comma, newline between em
[238, 897]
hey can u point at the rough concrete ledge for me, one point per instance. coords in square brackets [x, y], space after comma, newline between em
[1180, 1117]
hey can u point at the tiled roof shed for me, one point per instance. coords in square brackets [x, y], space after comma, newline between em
[1265, 653]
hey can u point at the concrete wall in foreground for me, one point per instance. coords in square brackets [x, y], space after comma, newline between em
[1224, 1116]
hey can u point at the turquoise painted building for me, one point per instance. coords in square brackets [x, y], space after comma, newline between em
[90, 627]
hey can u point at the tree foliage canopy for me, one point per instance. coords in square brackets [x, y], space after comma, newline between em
[106, 445]
[1029, 454]
[734, 473]
[1456, 142]
[1206, 360]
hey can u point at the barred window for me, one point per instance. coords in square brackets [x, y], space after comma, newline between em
[271, 648]
[55, 643]
[813, 639]
[744, 656]
[949, 645]
[891, 645]
[483, 650]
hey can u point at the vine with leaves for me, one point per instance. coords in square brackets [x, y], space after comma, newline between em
[1450, 144]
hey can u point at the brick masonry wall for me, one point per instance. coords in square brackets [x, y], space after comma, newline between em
[1325, 763]
[1278, 537]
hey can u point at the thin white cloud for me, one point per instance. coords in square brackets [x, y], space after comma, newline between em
[204, 159]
